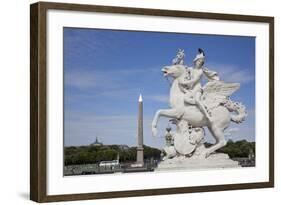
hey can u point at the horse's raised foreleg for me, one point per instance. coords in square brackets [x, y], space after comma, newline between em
[172, 113]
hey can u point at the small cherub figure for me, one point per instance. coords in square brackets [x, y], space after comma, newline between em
[179, 59]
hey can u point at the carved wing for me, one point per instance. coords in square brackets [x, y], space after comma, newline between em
[220, 88]
[216, 92]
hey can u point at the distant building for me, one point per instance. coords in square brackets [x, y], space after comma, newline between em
[97, 143]
[123, 147]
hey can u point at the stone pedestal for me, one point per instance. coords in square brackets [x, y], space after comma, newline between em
[139, 155]
[214, 161]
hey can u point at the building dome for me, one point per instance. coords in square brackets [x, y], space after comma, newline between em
[97, 143]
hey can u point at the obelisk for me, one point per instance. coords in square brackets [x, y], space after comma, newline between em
[140, 132]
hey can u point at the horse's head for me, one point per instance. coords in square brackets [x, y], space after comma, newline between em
[174, 71]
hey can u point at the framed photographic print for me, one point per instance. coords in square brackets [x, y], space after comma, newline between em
[135, 102]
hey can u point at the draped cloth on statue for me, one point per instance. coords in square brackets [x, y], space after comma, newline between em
[211, 75]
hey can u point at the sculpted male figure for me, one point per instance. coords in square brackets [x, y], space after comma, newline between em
[191, 83]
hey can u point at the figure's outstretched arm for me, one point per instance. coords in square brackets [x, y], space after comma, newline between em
[211, 75]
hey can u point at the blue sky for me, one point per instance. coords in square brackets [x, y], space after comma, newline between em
[106, 70]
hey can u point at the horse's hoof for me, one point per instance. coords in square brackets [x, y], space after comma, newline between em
[204, 155]
[207, 154]
[154, 132]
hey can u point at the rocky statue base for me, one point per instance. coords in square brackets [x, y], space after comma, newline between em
[214, 161]
[197, 161]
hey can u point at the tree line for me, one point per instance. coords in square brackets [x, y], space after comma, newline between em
[237, 149]
[94, 154]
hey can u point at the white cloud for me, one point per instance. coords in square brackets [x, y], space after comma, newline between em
[106, 79]
[159, 98]
[232, 73]
[81, 128]
[229, 132]
[108, 84]
[90, 79]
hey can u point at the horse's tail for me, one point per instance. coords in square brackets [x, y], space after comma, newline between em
[238, 108]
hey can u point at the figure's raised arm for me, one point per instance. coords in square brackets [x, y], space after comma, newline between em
[210, 74]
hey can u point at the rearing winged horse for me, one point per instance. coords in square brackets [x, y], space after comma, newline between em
[215, 98]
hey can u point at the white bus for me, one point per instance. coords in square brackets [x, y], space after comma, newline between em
[109, 163]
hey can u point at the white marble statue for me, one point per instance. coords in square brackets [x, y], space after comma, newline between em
[193, 107]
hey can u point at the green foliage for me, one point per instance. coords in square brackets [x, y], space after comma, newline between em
[150, 152]
[241, 148]
[94, 154]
